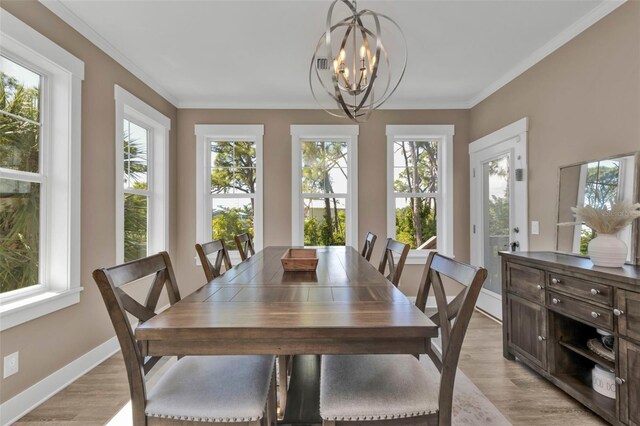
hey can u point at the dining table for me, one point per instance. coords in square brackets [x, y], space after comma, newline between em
[345, 306]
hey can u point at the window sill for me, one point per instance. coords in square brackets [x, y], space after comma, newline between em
[16, 312]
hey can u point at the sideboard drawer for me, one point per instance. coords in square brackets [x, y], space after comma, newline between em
[526, 282]
[592, 314]
[589, 290]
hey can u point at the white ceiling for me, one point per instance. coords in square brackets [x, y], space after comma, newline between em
[255, 54]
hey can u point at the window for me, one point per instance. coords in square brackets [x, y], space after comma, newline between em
[39, 186]
[142, 139]
[324, 185]
[229, 181]
[419, 197]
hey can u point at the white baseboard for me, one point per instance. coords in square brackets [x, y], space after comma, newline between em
[27, 400]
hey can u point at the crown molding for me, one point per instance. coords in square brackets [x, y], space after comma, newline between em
[75, 22]
[597, 13]
[313, 106]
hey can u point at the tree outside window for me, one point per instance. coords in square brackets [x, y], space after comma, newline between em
[415, 184]
[20, 176]
[233, 189]
[324, 189]
[136, 191]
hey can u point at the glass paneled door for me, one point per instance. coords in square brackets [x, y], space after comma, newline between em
[498, 209]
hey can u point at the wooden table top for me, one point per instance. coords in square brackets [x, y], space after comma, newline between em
[345, 304]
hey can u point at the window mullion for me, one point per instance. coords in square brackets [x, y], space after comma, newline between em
[19, 117]
[132, 191]
[22, 176]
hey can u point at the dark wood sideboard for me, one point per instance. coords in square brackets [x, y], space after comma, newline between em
[552, 305]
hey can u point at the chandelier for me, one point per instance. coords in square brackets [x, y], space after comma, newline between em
[350, 73]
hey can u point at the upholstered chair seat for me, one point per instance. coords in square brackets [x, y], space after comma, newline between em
[377, 387]
[401, 390]
[213, 389]
[226, 390]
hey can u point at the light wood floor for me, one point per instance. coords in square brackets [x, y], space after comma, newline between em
[521, 395]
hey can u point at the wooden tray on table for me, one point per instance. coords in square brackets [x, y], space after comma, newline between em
[299, 260]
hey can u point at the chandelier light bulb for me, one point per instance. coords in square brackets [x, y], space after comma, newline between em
[374, 78]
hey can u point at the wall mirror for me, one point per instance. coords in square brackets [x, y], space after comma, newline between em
[597, 183]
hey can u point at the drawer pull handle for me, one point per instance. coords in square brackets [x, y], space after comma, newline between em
[595, 292]
[539, 287]
[619, 380]
[555, 300]
[595, 314]
[618, 312]
[541, 338]
[556, 280]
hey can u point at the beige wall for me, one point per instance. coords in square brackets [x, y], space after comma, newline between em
[51, 342]
[583, 103]
[277, 177]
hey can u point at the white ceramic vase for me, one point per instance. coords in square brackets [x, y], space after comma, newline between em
[608, 250]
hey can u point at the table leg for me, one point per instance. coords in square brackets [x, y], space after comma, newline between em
[283, 366]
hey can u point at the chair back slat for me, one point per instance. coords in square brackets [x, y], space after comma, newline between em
[119, 305]
[369, 243]
[132, 271]
[156, 289]
[141, 312]
[452, 317]
[459, 272]
[216, 250]
[245, 245]
[388, 260]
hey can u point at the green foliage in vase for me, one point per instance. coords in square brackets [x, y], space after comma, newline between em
[19, 200]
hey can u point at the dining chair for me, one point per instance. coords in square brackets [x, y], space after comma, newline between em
[220, 389]
[245, 245]
[392, 248]
[218, 251]
[401, 389]
[369, 242]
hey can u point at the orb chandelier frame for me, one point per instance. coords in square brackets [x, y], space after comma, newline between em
[352, 87]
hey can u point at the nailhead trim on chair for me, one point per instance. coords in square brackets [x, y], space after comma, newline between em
[357, 418]
[207, 419]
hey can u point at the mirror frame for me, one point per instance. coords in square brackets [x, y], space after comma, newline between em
[635, 225]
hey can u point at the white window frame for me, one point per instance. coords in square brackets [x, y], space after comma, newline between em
[342, 133]
[59, 173]
[444, 197]
[205, 134]
[158, 125]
